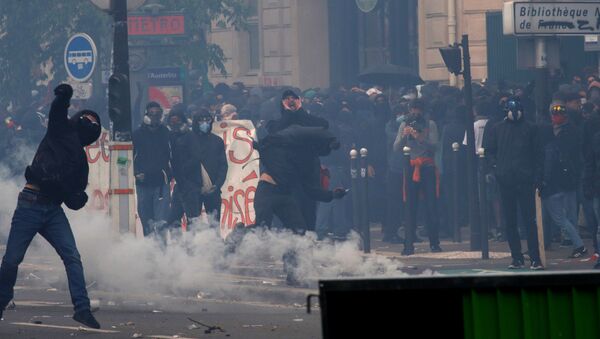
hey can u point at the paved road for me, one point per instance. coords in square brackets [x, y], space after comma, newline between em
[258, 303]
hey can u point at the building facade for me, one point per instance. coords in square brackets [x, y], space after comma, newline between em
[286, 43]
[322, 43]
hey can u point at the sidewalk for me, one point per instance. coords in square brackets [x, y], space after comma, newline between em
[457, 257]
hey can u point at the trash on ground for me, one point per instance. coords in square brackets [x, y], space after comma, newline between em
[137, 335]
[32, 276]
[209, 328]
[298, 319]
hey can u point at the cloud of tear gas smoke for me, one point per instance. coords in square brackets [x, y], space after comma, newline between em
[198, 260]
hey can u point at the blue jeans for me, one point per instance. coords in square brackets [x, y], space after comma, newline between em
[153, 206]
[562, 209]
[48, 219]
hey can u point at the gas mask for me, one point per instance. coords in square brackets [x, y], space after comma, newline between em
[513, 110]
[153, 117]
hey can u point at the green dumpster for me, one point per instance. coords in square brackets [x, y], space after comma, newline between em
[504, 306]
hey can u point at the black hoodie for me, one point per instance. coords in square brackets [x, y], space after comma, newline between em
[60, 167]
[203, 149]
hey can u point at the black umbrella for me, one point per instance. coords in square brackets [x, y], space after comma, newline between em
[390, 75]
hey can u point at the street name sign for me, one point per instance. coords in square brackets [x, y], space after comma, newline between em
[551, 18]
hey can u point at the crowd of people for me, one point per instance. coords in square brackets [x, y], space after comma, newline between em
[304, 138]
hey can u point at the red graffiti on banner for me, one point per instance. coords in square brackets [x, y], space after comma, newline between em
[99, 201]
[248, 140]
[98, 149]
[236, 207]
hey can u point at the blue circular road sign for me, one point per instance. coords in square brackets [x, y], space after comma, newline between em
[80, 57]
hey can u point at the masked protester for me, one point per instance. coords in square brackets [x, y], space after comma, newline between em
[292, 113]
[178, 129]
[280, 170]
[421, 136]
[559, 173]
[205, 168]
[511, 147]
[58, 174]
[152, 171]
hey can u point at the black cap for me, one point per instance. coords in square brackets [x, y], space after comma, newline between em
[289, 93]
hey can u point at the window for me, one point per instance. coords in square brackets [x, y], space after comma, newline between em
[253, 36]
[253, 46]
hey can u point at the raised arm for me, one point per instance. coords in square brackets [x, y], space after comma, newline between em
[58, 118]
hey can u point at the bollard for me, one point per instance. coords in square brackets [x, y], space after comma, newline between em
[483, 206]
[354, 189]
[364, 201]
[455, 197]
[406, 177]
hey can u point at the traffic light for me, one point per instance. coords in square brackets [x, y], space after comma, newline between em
[119, 103]
[452, 56]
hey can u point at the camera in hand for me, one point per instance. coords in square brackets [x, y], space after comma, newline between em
[417, 124]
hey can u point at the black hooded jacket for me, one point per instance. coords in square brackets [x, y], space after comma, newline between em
[203, 149]
[511, 148]
[60, 168]
[278, 158]
[151, 155]
[560, 159]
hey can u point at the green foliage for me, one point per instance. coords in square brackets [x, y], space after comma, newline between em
[35, 31]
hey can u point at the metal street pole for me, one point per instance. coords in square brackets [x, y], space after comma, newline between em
[354, 189]
[541, 78]
[455, 195]
[485, 251]
[364, 200]
[122, 201]
[471, 161]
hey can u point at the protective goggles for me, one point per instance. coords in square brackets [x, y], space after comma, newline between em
[558, 109]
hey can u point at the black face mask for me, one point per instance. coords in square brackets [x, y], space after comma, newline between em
[87, 131]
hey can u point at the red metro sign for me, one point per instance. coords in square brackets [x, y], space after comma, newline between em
[156, 25]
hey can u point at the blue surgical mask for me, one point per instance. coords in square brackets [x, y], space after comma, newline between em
[204, 127]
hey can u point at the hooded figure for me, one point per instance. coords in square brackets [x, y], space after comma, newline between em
[292, 113]
[511, 148]
[178, 129]
[151, 154]
[58, 173]
[204, 168]
[559, 171]
[280, 169]
[60, 167]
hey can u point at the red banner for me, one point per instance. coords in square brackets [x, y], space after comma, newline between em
[156, 25]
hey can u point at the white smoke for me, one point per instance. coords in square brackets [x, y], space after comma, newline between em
[196, 261]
